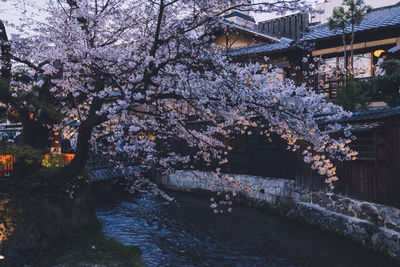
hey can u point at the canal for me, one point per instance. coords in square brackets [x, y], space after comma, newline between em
[187, 233]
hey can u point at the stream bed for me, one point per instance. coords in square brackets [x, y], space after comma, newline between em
[186, 232]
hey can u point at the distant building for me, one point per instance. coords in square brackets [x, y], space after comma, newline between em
[291, 26]
[238, 30]
[377, 35]
[325, 9]
[242, 18]
[375, 175]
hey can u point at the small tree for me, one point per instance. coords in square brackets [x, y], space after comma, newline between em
[338, 22]
[387, 86]
[356, 10]
[351, 95]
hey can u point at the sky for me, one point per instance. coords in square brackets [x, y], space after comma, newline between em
[12, 10]
[373, 3]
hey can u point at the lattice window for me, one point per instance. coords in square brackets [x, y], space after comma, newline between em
[268, 142]
[365, 145]
[237, 143]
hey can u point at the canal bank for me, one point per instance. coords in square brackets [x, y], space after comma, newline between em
[39, 229]
[186, 232]
[371, 225]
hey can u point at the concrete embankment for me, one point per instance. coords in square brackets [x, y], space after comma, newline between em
[372, 225]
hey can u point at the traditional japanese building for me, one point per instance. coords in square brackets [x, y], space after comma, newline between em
[374, 176]
[375, 36]
[238, 30]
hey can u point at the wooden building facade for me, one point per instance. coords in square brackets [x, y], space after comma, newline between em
[291, 26]
[376, 34]
[375, 175]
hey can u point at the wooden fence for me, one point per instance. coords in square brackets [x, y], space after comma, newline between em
[375, 179]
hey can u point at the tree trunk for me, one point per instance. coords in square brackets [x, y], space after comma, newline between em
[345, 59]
[82, 150]
[5, 54]
[352, 49]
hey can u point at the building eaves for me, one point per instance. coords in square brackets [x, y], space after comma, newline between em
[250, 31]
[241, 15]
[378, 18]
[257, 49]
[369, 114]
[284, 44]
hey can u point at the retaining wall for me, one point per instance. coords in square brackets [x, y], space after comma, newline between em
[372, 225]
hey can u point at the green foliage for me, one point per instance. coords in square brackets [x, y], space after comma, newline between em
[350, 13]
[53, 161]
[4, 89]
[26, 155]
[387, 87]
[86, 246]
[352, 95]
[338, 19]
[356, 10]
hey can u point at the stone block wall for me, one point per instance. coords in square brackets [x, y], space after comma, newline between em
[372, 225]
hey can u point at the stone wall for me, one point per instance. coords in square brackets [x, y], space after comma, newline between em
[372, 225]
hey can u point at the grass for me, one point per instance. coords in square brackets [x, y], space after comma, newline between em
[84, 247]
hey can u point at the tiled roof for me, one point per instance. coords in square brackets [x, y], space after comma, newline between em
[378, 18]
[250, 31]
[394, 49]
[374, 114]
[264, 48]
[369, 114]
[241, 15]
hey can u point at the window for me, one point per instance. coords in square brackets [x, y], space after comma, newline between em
[329, 67]
[365, 146]
[268, 142]
[237, 143]
[362, 65]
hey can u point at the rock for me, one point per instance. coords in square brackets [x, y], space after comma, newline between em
[278, 191]
[375, 240]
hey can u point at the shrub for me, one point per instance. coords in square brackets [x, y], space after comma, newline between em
[352, 95]
[387, 86]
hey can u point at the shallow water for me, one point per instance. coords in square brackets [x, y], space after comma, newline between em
[188, 233]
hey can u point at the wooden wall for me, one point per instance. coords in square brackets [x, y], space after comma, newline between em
[375, 180]
[262, 158]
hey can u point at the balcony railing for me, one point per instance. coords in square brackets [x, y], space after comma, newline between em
[329, 86]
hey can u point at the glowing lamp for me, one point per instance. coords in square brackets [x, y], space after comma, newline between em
[378, 53]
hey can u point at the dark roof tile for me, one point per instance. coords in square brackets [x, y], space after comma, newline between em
[378, 18]
[369, 114]
[264, 48]
[241, 15]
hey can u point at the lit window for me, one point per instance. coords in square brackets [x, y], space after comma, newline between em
[362, 65]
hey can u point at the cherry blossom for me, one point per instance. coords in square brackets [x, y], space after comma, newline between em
[146, 75]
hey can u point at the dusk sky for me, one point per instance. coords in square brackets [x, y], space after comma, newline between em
[12, 10]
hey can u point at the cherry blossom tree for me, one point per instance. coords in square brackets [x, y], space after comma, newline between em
[137, 72]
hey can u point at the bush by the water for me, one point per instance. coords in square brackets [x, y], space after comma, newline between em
[87, 246]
